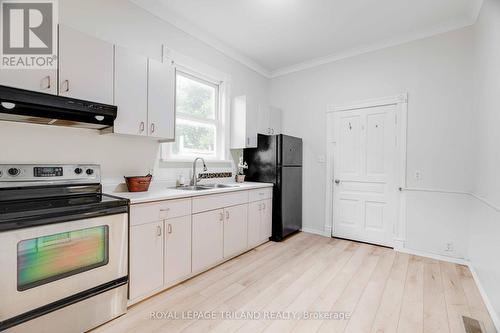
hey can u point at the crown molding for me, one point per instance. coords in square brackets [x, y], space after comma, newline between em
[158, 10]
[458, 24]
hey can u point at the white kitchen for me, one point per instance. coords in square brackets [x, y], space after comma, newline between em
[249, 166]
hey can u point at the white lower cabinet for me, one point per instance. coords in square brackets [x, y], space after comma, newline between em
[146, 259]
[177, 249]
[235, 229]
[171, 240]
[254, 222]
[260, 221]
[266, 222]
[208, 239]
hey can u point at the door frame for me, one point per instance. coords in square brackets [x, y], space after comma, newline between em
[401, 103]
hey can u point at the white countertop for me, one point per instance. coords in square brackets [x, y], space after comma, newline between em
[172, 193]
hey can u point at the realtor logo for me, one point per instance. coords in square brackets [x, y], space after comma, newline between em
[28, 34]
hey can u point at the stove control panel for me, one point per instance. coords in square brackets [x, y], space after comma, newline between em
[47, 171]
[33, 174]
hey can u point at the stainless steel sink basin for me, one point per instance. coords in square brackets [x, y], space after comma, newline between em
[192, 188]
[218, 185]
[204, 187]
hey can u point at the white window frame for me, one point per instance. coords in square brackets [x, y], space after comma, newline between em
[222, 115]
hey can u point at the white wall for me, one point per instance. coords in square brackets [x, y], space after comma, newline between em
[436, 73]
[123, 23]
[484, 245]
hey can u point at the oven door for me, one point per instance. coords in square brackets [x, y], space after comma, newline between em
[41, 265]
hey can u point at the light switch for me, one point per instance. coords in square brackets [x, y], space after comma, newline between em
[321, 158]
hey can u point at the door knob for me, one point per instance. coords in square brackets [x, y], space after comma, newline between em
[337, 181]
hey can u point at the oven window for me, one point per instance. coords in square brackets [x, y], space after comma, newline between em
[45, 259]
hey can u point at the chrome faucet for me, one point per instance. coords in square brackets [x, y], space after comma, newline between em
[195, 179]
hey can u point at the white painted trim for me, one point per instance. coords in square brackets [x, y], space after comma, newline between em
[486, 299]
[486, 202]
[459, 261]
[459, 24]
[410, 189]
[315, 231]
[472, 194]
[369, 103]
[401, 100]
[160, 11]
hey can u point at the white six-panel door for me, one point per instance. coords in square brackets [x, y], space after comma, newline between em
[365, 176]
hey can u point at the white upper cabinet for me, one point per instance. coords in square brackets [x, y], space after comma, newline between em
[85, 67]
[41, 80]
[131, 93]
[269, 120]
[244, 123]
[161, 90]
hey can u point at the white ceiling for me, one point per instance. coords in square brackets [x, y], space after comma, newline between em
[275, 37]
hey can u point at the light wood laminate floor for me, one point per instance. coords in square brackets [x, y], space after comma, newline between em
[382, 290]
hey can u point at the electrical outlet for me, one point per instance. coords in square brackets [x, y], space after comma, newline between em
[448, 247]
[418, 175]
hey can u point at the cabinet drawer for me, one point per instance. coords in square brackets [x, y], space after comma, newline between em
[260, 194]
[211, 202]
[157, 211]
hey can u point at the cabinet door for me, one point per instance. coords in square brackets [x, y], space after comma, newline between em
[235, 229]
[254, 217]
[266, 226]
[207, 239]
[161, 111]
[146, 259]
[40, 80]
[275, 120]
[85, 67]
[177, 248]
[131, 92]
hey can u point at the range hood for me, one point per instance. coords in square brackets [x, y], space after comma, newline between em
[39, 108]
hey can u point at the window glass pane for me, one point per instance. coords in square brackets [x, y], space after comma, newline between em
[193, 138]
[195, 98]
[45, 259]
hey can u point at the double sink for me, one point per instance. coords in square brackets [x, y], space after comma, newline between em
[204, 187]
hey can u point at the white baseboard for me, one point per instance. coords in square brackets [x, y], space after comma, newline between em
[459, 261]
[484, 295]
[316, 232]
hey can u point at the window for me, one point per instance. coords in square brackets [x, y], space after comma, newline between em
[198, 129]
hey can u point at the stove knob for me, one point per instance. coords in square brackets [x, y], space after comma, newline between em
[14, 172]
[90, 172]
[78, 171]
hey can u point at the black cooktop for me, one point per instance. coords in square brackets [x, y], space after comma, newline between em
[30, 212]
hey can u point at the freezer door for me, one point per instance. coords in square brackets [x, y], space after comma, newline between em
[290, 153]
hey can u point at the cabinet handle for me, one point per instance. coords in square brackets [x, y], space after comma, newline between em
[158, 231]
[152, 127]
[221, 217]
[248, 141]
[227, 215]
[260, 206]
[67, 85]
[169, 228]
[48, 82]
[164, 209]
[141, 127]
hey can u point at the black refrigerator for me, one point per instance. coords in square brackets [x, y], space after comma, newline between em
[278, 160]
